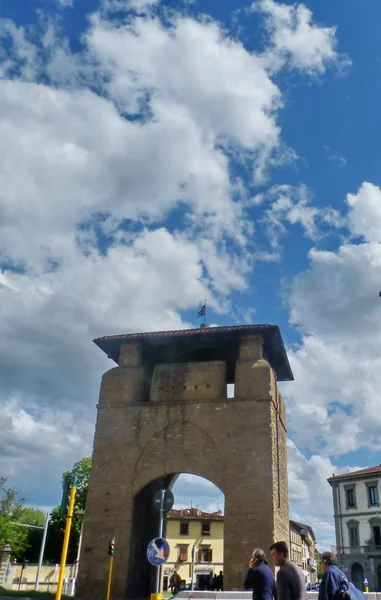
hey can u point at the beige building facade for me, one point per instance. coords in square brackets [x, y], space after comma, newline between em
[164, 410]
[357, 513]
[192, 532]
[303, 549]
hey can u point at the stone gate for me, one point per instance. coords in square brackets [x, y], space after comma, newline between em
[164, 410]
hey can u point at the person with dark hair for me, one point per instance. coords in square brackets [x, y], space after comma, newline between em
[260, 577]
[332, 577]
[290, 579]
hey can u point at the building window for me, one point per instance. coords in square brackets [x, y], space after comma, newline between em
[377, 535]
[351, 500]
[373, 495]
[184, 528]
[183, 553]
[353, 536]
[205, 554]
[205, 529]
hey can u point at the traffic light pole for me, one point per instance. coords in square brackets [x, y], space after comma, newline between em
[161, 526]
[65, 546]
[110, 577]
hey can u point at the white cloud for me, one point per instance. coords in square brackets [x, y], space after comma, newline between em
[87, 183]
[289, 205]
[340, 160]
[296, 39]
[337, 366]
[66, 3]
[365, 212]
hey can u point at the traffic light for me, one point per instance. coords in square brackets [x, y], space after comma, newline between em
[65, 499]
[66, 496]
[111, 547]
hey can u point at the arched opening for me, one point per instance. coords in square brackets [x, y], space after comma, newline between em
[193, 528]
[357, 573]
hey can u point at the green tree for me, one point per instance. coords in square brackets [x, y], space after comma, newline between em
[81, 470]
[32, 516]
[11, 509]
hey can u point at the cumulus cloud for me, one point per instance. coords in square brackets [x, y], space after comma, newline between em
[100, 148]
[296, 39]
[337, 366]
[292, 205]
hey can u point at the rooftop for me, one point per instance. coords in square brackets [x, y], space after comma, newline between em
[194, 514]
[302, 526]
[359, 473]
[202, 344]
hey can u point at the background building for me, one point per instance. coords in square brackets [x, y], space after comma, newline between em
[303, 550]
[357, 515]
[191, 528]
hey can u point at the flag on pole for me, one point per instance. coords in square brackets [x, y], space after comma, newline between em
[202, 312]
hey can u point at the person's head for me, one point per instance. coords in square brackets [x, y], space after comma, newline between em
[279, 553]
[220, 572]
[258, 555]
[327, 559]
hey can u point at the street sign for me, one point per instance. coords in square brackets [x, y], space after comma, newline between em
[158, 552]
[168, 501]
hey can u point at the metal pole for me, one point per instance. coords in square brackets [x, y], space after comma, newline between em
[22, 571]
[79, 551]
[192, 572]
[42, 550]
[161, 525]
[109, 578]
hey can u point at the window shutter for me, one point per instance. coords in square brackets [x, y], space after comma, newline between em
[210, 558]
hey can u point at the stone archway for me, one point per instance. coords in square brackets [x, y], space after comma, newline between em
[159, 416]
[357, 574]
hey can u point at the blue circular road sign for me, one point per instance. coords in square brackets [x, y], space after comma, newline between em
[158, 552]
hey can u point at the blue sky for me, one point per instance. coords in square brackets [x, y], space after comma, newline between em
[155, 153]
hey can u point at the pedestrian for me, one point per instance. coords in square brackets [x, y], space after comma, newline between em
[174, 582]
[220, 582]
[260, 577]
[290, 579]
[332, 578]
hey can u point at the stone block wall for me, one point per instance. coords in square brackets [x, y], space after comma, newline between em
[142, 442]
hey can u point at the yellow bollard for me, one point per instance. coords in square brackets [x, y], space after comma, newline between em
[366, 589]
[156, 597]
[69, 519]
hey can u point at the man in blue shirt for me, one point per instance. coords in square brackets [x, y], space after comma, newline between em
[260, 577]
[332, 577]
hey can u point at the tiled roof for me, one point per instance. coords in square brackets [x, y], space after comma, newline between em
[181, 332]
[167, 346]
[359, 473]
[195, 514]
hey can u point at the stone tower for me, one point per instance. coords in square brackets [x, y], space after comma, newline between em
[163, 411]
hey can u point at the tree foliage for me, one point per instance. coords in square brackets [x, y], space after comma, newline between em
[23, 541]
[81, 470]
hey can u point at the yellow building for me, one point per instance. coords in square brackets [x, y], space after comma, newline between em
[193, 531]
[191, 528]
